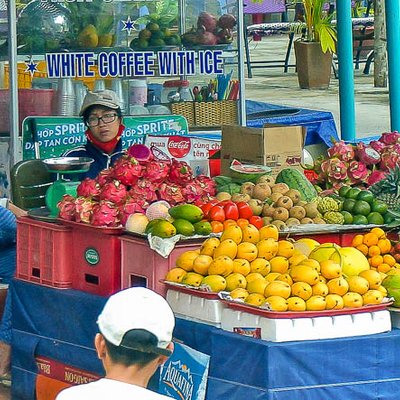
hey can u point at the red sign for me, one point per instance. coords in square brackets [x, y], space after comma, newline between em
[179, 146]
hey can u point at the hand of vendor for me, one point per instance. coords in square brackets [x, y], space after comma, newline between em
[18, 212]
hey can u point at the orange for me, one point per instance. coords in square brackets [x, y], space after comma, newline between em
[242, 222]
[370, 239]
[389, 259]
[229, 222]
[374, 251]
[384, 245]
[375, 261]
[379, 232]
[217, 226]
[384, 267]
[363, 248]
[357, 240]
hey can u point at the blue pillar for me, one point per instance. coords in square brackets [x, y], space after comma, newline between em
[346, 73]
[393, 49]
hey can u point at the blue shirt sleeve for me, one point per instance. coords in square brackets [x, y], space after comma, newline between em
[8, 228]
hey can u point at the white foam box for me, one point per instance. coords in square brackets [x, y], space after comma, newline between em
[195, 308]
[290, 329]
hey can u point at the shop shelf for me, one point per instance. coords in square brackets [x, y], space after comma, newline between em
[142, 266]
[43, 253]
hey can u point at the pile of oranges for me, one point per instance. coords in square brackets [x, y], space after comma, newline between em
[376, 246]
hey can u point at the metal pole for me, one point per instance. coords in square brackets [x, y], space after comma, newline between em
[346, 74]
[393, 40]
[13, 81]
[240, 46]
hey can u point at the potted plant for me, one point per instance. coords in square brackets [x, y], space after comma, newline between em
[314, 49]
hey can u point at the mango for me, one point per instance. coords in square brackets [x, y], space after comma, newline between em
[175, 275]
[392, 284]
[192, 279]
[209, 245]
[203, 228]
[269, 231]
[216, 283]
[186, 260]
[303, 273]
[267, 248]
[222, 265]
[250, 234]
[183, 227]
[247, 250]
[190, 212]
[235, 280]
[163, 229]
[233, 232]
[226, 248]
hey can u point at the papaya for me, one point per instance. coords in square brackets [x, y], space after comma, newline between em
[183, 227]
[392, 284]
[203, 228]
[190, 212]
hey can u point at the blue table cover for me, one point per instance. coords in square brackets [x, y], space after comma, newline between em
[60, 324]
[320, 125]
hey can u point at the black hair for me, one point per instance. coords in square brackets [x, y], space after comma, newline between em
[87, 112]
[138, 347]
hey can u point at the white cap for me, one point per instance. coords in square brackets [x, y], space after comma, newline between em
[137, 308]
[106, 98]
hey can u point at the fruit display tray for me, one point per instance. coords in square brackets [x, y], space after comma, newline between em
[118, 230]
[191, 290]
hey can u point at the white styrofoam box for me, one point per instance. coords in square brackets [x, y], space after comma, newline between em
[195, 308]
[324, 327]
[395, 316]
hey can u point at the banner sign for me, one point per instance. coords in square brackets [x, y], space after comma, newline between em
[55, 135]
[184, 375]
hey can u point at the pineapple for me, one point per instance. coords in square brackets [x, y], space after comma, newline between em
[388, 189]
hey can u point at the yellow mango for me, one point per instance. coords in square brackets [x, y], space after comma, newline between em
[250, 234]
[233, 232]
[247, 250]
[226, 248]
[222, 265]
[267, 248]
[209, 245]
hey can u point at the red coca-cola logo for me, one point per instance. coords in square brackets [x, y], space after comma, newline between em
[178, 146]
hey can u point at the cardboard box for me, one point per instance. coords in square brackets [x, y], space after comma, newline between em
[277, 146]
[194, 150]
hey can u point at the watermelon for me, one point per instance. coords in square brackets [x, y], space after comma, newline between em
[247, 172]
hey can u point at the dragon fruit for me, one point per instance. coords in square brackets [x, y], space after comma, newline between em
[156, 171]
[207, 184]
[88, 188]
[104, 176]
[141, 153]
[192, 192]
[375, 176]
[377, 146]
[128, 208]
[145, 189]
[180, 172]
[357, 172]
[114, 192]
[389, 138]
[127, 170]
[366, 154]
[105, 213]
[83, 209]
[335, 169]
[390, 157]
[342, 151]
[171, 193]
[67, 207]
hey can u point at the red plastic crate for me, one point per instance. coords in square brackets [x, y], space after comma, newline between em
[96, 254]
[43, 253]
[142, 266]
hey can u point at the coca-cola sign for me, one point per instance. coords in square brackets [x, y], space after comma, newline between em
[178, 146]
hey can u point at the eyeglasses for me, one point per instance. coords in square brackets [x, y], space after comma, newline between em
[106, 118]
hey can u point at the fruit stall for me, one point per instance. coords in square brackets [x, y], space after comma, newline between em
[260, 264]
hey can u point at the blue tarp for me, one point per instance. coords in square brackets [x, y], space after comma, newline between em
[60, 324]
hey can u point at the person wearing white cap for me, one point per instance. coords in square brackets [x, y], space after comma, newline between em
[135, 338]
[101, 112]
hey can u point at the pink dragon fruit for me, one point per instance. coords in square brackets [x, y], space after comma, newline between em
[207, 184]
[375, 176]
[88, 188]
[389, 138]
[114, 192]
[357, 172]
[67, 207]
[192, 192]
[342, 151]
[127, 170]
[180, 172]
[144, 189]
[377, 146]
[83, 209]
[105, 213]
[366, 154]
[334, 169]
[106, 175]
[128, 208]
[156, 171]
[390, 157]
[171, 193]
[141, 153]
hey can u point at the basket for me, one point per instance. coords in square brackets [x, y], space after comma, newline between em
[185, 108]
[213, 113]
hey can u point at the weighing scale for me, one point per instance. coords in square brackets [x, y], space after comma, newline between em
[68, 170]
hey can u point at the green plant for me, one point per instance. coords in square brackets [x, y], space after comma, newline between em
[317, 26]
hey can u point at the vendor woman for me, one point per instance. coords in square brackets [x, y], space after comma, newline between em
[102, 115]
